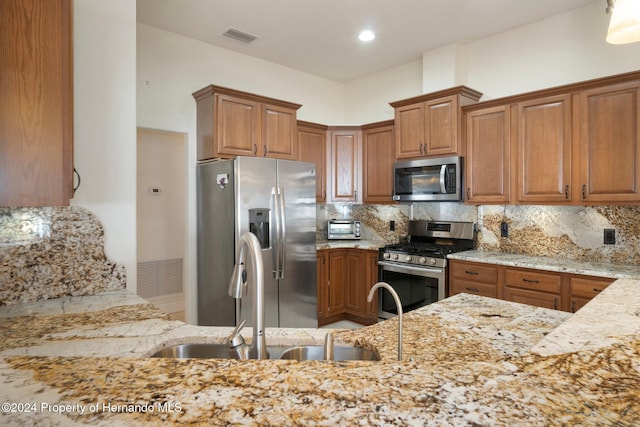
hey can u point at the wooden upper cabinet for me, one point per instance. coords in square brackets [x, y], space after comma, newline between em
[279, 132]
[345, 167]
[378, 156]
[237, 127]
[232, 123]
[488, 161]
[312, 147]
[36, 110]
[610, 143]
[544, 149]
[431, 125]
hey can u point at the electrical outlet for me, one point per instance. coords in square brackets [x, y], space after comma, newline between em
[504, 229]
[609, 236]
[392, 226]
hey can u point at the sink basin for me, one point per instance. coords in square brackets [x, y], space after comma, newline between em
[316, 352]
[209, 351]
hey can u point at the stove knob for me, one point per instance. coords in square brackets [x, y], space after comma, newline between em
[395, 256]
[432, 261]
[386, 256]
[407, 258]
[423, 260]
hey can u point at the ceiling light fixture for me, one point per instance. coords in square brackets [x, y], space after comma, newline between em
[367, 36]
[625, 21]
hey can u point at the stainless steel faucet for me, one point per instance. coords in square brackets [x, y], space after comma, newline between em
[398, 307]
[238, 289]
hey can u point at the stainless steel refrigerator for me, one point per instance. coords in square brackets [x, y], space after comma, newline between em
[245, 194]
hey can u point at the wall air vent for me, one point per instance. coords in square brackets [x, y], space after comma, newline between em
[240, 36]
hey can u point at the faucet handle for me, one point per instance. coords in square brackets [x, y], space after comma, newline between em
[328, 346]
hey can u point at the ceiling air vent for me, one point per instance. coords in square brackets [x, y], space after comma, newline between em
[240, 36]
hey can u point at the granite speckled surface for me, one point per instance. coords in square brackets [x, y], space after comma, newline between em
[468, 360]
[562, 265]
[52, 252]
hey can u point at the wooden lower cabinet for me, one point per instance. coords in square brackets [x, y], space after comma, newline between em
[583, 288]
[344, 279]
[473, 278]
[541, 288]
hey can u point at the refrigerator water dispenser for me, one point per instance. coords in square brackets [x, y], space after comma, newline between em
[259, 225]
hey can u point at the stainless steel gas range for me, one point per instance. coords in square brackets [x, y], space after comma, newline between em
[417, 269]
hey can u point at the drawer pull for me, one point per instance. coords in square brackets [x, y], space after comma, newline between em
[474, 273]
[555, 303]
[524, 279]
[473, 289]
[597, 290]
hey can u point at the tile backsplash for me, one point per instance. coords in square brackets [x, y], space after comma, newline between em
[52, 252]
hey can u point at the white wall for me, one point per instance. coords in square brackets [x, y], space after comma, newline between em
[563, 49]
[105, 122]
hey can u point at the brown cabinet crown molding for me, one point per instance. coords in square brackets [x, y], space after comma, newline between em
[556, 90]
[208, 90]
[464, 91]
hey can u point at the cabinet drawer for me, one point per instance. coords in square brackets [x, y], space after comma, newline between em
[458, 286]
[533, 280]
[538, 299]
[587, 287]
[477, 273]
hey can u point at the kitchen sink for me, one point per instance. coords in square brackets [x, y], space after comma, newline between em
[209, 351]
[221, 351]
[316, 352]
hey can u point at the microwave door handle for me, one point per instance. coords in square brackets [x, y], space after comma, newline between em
[443, 172]
[283, 234]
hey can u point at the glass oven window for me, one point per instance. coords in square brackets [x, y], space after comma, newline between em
[414, 291]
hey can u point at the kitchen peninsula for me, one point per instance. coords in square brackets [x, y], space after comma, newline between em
[468, 360]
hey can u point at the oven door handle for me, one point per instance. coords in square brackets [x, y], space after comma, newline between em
[418, 271]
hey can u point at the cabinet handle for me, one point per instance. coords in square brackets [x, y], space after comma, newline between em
[584, 191]
[75, 172]
[475, 273]
[355, 194]
[473, 289]
[468, 193]
[555, 303]
[573, 306]
[255, 149]
[264, 150]
[597, 290]
[524, 279]
[566, 192]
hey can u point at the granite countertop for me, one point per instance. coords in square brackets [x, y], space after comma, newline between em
[468, 360]
[357, 244]
[561, 265]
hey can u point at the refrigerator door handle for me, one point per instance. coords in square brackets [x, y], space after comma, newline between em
[275, 237]
[283, 233]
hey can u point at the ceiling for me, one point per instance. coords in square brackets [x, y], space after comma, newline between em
[320, 37]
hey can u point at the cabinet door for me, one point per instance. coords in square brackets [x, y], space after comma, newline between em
[610, 144]
[337, 277]
[378, 152]
[312, 147]
[372, 279]
[356, 286]
[237, 122]
[279, 136]
[345, 167]
[584, 288]
[36, 107]
[488, 139]
[441, 126]
[544, 150]
[322, 268]
[409, 122]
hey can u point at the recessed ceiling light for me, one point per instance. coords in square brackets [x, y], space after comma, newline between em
[367, 36]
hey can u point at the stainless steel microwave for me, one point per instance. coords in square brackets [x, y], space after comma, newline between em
[347, 229]
[428, 180]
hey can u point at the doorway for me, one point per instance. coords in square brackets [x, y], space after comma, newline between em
[161, 219]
